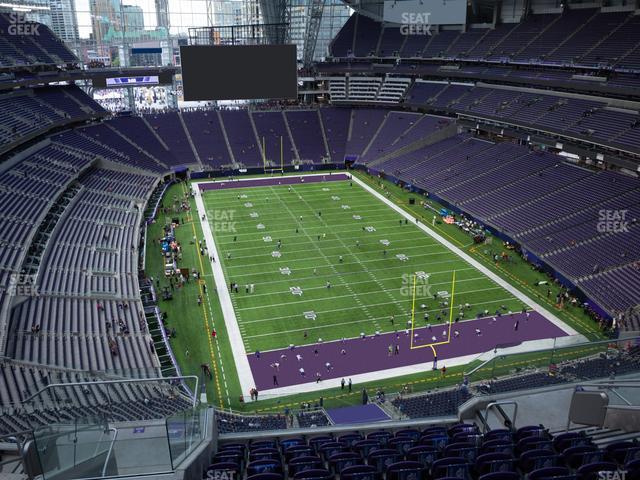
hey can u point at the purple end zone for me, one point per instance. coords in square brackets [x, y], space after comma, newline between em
[357, 414]
[273, 181]
[371, 354]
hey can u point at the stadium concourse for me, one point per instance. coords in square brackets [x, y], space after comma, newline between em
[426, 266]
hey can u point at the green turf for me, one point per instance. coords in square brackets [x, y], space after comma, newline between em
[368, 287]
[193, 329]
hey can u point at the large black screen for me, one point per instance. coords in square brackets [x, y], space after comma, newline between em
[239, 72]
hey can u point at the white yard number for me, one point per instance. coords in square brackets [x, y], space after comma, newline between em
[370, 229]
[310, 315]
[296, 291]
[260, 226]
[248, 204]
[276, 254]
[267, 239]
[346, 207]
[335, 197]
[385, 242]
[357, 217]
[402, 257]
[422, 275]
[285, 271]
[254, 215]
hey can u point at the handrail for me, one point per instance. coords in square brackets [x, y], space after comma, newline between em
[612, 386]
[106, 460]
[497, 405]
[553, 349]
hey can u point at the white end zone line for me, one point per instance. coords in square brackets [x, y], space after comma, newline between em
[499, 280]
[245, 377]
[359, 379]
[248, 179]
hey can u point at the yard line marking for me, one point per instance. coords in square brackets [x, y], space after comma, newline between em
[244, 265]
[332, 325]
[346, 286]
[386, 269]
[405, 237]
[333, 298]
[287, 281]
[286, 251]
[435, 310]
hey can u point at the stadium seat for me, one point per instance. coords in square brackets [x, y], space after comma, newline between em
[360, 472]
[309, 462]
[538, 458]
[548, 473]
[450, 467]
[494, 462]
[591, 471]
[500, 476]
[339, 461]
[406, 470]
[318, 474]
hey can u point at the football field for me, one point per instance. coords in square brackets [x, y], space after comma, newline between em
[329, 261]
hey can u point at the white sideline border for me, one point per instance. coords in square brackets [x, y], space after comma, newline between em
[245, 376]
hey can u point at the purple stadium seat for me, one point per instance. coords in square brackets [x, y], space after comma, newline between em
[406, 470]
[360, 472]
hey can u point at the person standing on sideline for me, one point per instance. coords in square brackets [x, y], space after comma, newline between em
[350, 385]
[342, 382]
